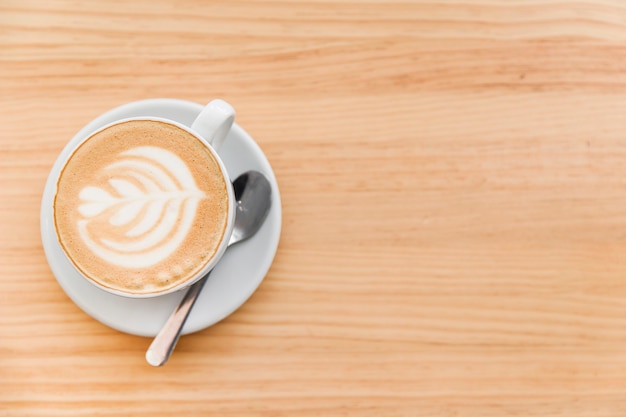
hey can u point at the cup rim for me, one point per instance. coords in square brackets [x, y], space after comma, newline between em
[70, 149]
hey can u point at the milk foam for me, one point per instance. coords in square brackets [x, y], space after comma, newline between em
[154, 213]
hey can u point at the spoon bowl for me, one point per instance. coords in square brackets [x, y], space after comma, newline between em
[254, 199]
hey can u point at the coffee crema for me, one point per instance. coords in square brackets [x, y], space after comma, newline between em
[141, 207]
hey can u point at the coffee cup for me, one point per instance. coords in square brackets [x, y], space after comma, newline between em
[144, 206]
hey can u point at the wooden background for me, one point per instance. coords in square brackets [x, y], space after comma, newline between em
[453, 176]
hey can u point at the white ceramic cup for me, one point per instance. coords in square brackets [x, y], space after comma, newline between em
[211, 127]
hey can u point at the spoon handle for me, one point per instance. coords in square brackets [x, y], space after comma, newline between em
[163, 344]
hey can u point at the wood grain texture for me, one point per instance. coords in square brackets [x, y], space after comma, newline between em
[454, 197]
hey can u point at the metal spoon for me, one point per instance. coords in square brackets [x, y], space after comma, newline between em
[254, 198]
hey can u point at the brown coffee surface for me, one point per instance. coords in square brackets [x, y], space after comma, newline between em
[141, 207]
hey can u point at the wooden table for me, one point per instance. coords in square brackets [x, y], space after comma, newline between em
[453, 180]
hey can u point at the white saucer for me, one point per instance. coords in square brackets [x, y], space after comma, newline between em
[234, 279]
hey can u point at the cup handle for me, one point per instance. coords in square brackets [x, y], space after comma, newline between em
[214, 122]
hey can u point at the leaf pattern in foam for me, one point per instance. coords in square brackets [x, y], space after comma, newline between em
[150, 187]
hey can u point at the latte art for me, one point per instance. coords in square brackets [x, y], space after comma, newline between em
[154, 204]
[141, 207]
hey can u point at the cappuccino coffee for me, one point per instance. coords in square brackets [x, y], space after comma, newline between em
[141, 207]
